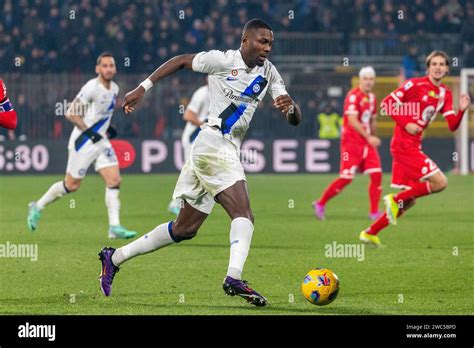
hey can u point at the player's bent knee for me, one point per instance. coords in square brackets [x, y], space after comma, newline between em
[115, 182]
[439, 185]
[72, 186]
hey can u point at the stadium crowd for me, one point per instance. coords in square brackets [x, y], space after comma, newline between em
[149, 31]
[52, 36]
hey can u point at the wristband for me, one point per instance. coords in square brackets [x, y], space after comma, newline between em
[147, 84]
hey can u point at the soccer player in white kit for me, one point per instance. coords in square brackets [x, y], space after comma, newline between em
[90, 112]
[195, 114]
[238, 81]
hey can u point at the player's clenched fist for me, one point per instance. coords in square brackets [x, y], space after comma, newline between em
[132, 98]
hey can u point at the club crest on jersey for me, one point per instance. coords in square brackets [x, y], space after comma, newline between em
[428, 113]
[233, 77]
[408, 85]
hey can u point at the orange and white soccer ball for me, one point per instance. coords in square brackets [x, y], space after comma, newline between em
[320, 286]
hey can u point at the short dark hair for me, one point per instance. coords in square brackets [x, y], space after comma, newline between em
[102, 55]
[256, 23]
[437, 53]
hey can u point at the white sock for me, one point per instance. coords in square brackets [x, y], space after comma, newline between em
[56, 191]
[153, 240]
[241, 230]
[112, 202]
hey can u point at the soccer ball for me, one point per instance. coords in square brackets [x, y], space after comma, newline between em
[320, 286]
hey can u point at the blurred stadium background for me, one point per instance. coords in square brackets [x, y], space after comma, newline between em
[48, 50]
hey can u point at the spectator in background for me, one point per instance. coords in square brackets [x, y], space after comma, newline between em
[410, 64]
[329, 122]
[467, 37]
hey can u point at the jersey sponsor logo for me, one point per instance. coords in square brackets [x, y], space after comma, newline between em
[239, 98]
[233, 112]
[230, 78]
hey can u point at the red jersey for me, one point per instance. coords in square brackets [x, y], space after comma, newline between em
[364, 105]
[8, 117]
[417, 101]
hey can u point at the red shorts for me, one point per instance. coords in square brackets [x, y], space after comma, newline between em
[410, 166]
[364, 158]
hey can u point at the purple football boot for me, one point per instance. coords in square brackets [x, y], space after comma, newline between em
[240, 288]
[108, 270]
[319, 210]
[374, 216]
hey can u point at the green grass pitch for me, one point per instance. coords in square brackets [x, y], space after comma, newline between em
[426, 267]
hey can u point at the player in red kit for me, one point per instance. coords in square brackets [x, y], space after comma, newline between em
[413, 107]
[7, 114]
[358, 145]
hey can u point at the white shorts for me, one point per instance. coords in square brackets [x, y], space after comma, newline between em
[186, 148]
[213, 166]
[79, 161]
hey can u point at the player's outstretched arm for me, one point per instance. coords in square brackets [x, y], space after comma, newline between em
[168, 68]
[455, 120]
[287, 106]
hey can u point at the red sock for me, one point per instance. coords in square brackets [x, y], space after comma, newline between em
[418, 189]
[382, 222]
[333, 189]
[375, 190]
[378, 225]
